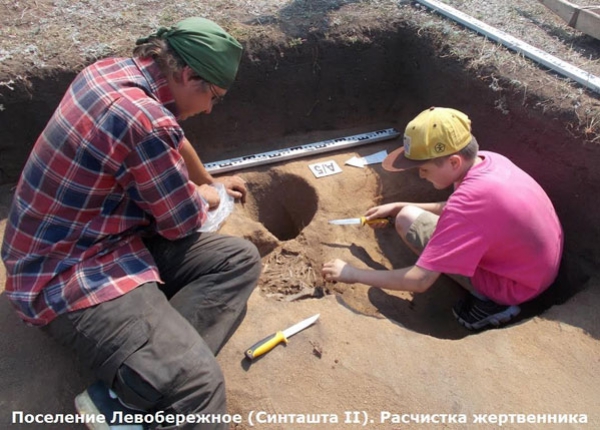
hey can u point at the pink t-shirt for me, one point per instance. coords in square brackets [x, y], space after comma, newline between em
[500, 229]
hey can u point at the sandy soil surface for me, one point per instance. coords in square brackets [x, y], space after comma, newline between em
[374, 359]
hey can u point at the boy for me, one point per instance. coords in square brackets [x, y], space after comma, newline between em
[498, 231]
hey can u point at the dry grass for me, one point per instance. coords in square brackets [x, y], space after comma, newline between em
[41, 35]
[508, 72]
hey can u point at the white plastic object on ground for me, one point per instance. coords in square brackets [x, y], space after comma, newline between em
[216, 217]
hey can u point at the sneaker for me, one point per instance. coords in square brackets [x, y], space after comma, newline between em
[97, 400]
[475, 313]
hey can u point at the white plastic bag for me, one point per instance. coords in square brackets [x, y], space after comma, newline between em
[217, 216]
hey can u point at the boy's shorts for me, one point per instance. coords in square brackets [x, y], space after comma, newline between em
[418, 236]
[421, 230]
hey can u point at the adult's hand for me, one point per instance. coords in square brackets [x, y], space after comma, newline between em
[235, 186]
[210, 195]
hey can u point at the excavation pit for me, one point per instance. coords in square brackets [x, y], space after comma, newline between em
[324, 89]
[284, 203]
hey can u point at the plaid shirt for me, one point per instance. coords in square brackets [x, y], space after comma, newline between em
[105, 171]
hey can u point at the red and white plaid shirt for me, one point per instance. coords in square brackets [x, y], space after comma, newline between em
[105, 172]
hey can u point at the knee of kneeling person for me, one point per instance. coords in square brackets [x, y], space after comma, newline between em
[252, 257]
[243, 251]
[202, 393]
[252, 251]
[405, 218]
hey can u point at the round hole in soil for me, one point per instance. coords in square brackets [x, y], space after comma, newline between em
[282, 202]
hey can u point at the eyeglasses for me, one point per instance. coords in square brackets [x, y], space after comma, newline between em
[216, 98]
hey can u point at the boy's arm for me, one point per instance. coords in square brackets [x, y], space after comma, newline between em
[413, 278]
[392, 209]
[435, 207]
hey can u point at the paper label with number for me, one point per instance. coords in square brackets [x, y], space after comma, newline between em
[325, 168]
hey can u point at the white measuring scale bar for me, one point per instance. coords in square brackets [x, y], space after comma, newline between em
[300, 151]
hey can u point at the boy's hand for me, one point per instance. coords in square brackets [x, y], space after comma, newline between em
[384, 211]
[387, 211]
[338, 270]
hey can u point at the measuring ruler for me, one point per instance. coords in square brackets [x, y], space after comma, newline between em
[300, 151]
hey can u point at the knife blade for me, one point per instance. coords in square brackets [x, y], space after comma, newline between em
[268, 343]
[360, 221]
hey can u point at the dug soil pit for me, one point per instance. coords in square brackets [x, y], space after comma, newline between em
[308, 101]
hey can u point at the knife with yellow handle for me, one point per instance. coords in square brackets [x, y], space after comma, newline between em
[270, 342]
[361, 221]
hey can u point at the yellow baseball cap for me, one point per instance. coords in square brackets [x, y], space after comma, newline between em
[434, 133]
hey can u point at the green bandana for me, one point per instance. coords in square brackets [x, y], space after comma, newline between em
[204, 46]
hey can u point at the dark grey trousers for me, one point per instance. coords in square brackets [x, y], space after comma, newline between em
[155, 345]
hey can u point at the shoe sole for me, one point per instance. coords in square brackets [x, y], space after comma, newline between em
[85, 406]
[495, 320]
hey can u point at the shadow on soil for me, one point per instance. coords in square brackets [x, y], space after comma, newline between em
[585, 45]
[28, 351]
[301, 16]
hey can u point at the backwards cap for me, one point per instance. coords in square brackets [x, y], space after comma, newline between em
[209, 50]
[435, 132]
